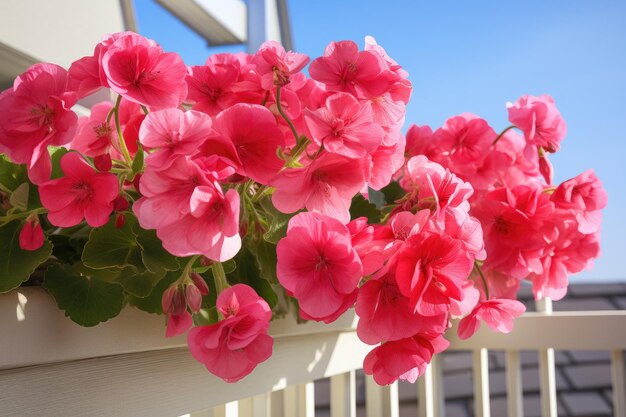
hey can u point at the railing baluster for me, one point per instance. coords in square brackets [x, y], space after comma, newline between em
[299, 400]
[343, 395]
[482, 407]
[514, 392]
[230, 409]
[430, 395]
[619, 383]
[257, 406]
[547, 377]
[381, 401]
[277, 406]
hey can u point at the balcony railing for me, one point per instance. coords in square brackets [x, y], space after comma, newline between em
[52, 367]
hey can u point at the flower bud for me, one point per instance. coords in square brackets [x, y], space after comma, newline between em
[179, 304]
[200, 283]
[31, 236]
[103, 162]
[120, 220]
[166, 299]
[136, 182]
[204, 261]
[193, 298]
[120, 204]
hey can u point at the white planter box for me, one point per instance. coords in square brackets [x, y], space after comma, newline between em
[50, 366]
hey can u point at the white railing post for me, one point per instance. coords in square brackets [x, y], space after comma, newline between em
[299, 400]
[619, 384]
[430, 394]
[482, 407]
[547, 376]
[381, 401]
[257, 406]
[343, 395]
[514, 391]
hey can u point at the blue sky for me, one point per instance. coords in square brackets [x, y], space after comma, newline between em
[476, 56]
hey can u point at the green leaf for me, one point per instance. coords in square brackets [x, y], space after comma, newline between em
[11, 175]
[109, 246]
[393, 192]
[67, 249]
[360, 207]
[139, 283]
[152, 302]
[229, 266]
[137, 162]
[376, 197]
[16, 264]
[247, 273]
[56, 154]
[19, 197]
[86, 300]
[276, 220]
[265, 255]
[154, 257]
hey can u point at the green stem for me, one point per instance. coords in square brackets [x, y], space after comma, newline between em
[297, 151]
[482, 277]
[261, 192]
[502, 134]
[145, 110]
[118, 128]
[284, 115]
[220, 277]
[10, 217]
[187, 269]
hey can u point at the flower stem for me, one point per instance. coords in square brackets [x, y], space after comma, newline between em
[297, 151]
[118, 128]
[502, 134]
[10, 217]
[482, 277]
[220, 277]
[187, 269]
[284, 115]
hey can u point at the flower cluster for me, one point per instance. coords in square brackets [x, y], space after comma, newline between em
[224, 194]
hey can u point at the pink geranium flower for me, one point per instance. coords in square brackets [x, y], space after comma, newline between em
[210, 86]
[498, 314]
[327, 186]
[255, 134]
[404, 359]
[343, 67]
[173, 132]
[189, 210]
[81, 194]
[34, 114]
[319, 266]
[584, 196]
[540, 121]
[344, 126]
[139, 70]
[275, 65]
[233, 347]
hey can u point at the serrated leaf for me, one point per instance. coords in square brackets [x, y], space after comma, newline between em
[154, 257]
[276, 221]
[265, 255]
[16, 264]
[109, 246]
[139, 283]
[86, 300]
[360, 207]
[19, 197]
[152, 302]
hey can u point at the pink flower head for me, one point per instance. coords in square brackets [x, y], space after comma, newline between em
[498, 314]
[233, 347]
[319, 266]
[344, 126]
[434, 187]
[275, 65]
[327, 186]
[34, 114]
[431, 270]
[385, 313]
[420, 141]
[467, 139]
[95, 136]
[343, 67]
[540, 121]
[31, 236]
[584, 196]
[255, 134]
[210, 86]
[370, 251]
[173, 132]
[385, 162]
[189, 210]
[178, 323]
[139, 70]
[404, 359]
[81, 194]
